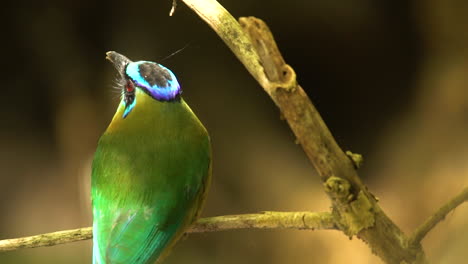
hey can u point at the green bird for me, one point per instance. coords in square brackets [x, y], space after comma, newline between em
[151, 169]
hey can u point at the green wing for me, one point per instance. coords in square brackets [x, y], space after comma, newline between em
[129, 235]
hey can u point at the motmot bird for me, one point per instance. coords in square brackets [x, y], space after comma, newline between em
[151, 169]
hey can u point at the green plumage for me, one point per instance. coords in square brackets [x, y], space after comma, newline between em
[150, 174]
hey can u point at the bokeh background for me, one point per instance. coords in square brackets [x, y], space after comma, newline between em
[389, 77]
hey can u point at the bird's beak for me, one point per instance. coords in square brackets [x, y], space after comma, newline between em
[119, 60]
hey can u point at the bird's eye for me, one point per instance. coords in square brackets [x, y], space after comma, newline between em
[129, 87]
[129, 96]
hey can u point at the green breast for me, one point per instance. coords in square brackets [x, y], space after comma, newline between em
[149, 176]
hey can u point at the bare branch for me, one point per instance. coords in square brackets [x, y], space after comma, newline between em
[438, 216]
[253, 44]
[265, 220]
[357, 211]
[46, 240]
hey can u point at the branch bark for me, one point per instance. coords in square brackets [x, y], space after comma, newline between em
[265, 220]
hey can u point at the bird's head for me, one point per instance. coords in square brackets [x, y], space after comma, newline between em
[149, 77]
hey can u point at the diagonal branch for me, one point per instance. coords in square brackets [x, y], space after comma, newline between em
[438, 216]
[265, 220]
[355, 207]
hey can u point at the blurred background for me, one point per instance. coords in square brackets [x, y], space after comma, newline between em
[389, 77]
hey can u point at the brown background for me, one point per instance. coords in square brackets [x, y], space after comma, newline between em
[389, 77]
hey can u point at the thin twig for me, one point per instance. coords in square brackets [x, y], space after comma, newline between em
[265, 220]
[438, 216]
[173, 8]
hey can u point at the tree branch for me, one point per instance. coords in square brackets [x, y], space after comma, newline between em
[353, 205]
[265, 220]
[438, 216]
